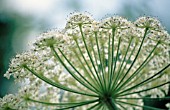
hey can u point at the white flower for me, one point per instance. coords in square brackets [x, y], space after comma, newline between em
[18, 63]
[77, 19]
[51, 38]
[11, 101]
[115, 22]
[149, 22]
[90, 64]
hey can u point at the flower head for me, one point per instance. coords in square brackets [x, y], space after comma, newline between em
[18, 63]
[77, 19]
[11, 101]
[149, 22]
[51, 38]
[113, 64]
[115, 22]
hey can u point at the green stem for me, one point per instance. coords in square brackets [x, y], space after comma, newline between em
[144, 106]
[137, 78]
[104, 65]
[122, 71]
[80, 27]
[139, 68]
[94, 106]
[145, 81]
[63, 104]
[73, 74]
[78, 79]
[145, 33]
[115, 75]
[96, 86]
[100, 60]
[78, 104]
[158, 98]
[109, 64]
[56, 84]
[141, 90]
[94, 53]
[112, 58]
[119, 73]
[97, 81]
[123, 108]
[110, 104]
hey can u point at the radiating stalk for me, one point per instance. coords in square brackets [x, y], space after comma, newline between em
[144, 106]
[78, 105]
[112, 58]
[94, 106]
[104, 82]
[139, 68]
[113, 78]
[135, 56]
[119, 73]
[87, 73]
[109, 65]
[97, 81]
[81, 31]
[121, 106]
[56, 84]
[136, 79]
[96, 90]
[72, 74]
[94, 53]
[62, 104]
[145, 81]
[158, 98]
[119, 94]
[122, 71]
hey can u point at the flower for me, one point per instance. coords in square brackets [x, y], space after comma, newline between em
[149, 22]
[115, 22]
[113, 64]
[48, 39]
[10, 101]
[17, 66]
[77, 19]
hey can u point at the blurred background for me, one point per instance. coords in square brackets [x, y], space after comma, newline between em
[22, 20]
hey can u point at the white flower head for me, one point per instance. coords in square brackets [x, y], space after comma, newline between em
[148, 22]
[11, 101]
[77, 19]
[51, 38]
[18, 63]
[115, 22]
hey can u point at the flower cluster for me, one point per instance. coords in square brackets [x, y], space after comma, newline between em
[18, 63]
[10, 101]
[110, 64]
[51, 38]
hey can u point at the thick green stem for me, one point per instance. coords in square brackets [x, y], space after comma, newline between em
[110, 104]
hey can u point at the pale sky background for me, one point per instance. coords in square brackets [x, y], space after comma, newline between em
[53, 13]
